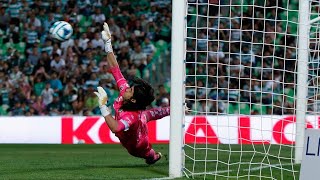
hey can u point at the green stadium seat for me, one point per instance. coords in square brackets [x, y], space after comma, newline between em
[3, 49]
[21, 46]
[3, 111]
[161, 45]
[262, 109]
[230, 108]
[9, 45]
[85, 21]
[289, 92]
[244, 109]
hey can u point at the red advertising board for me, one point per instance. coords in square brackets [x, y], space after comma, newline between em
[198, 129]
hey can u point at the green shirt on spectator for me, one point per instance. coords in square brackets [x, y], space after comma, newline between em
[91, 102]
[38, 87]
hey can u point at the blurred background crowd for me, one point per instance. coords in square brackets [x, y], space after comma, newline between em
[39, 76]
[241, 56]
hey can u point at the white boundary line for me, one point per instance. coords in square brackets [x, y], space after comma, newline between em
[225, 171]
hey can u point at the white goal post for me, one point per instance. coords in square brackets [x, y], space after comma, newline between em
[302, 89]
[242, 69]
[177, 90]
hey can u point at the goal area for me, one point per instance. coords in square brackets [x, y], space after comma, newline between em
[244, 86]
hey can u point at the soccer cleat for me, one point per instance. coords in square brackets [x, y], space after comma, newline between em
[158, 154]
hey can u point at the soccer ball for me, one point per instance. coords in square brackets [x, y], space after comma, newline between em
[61, 30]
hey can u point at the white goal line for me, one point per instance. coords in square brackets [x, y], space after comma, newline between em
[258, 168]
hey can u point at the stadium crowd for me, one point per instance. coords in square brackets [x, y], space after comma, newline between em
[40, 76]
[245, 64]
[242, 57]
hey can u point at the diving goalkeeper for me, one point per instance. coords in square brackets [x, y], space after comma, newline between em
[131, 116]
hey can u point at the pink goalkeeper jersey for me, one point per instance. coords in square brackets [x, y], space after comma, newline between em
[134, 134]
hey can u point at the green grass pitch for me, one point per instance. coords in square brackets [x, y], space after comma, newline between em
[113, 162]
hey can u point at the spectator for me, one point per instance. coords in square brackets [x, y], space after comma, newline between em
[83, 41]
[90, 100]
[55, 107]
[97, 42]
[147, 47]
[215, 54]
[48, 22]
[56, 83]
[17, 110]
[139, 58]
[4, 19]
[114, 29]
[92, 82]
[47, 47]
[31, 35]
[161, 95]
[14, 10]
[45, 70]
[15, 75]
[39, 106]
[34, 57]
[12, 34]
[35, 22]
[164, 32]
[25, 87]
[38, 85]
[57, 62]
[164, 102]
[47, 94]
[152, 16]
[98, 17]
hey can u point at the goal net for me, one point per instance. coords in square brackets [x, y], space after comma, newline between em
[244, 101]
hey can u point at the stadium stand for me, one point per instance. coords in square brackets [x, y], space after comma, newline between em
[39, 76]
[42, 77]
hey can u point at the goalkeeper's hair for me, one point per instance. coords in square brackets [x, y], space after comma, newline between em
[143, 95]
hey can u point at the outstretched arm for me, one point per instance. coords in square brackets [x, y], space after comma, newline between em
[156, 113]
[103, 99]
[113, 124]
[112, 61]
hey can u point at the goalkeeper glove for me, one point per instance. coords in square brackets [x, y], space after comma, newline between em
[106, 37]
[103, 99]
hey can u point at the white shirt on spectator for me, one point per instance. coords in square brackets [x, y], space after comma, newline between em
[216, 54]
[248, 57]
[123, 44]
[66, 44]
[94, 83]
[36, 22]
[83, 43]
[47, 95]
[98, 43]
[14, 77]
[138, 58]
[57, 65]
[115, 30]
[98, 18]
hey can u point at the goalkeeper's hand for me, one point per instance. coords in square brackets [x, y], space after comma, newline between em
[103, 99]
[106, 37]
